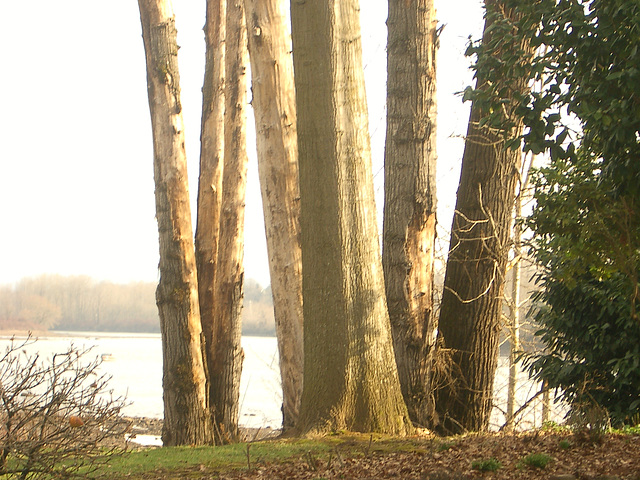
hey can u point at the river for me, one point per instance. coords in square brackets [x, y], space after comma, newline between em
[134, 362]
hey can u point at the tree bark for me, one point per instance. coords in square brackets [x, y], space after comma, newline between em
[471, 308]
[186, 419]
[210, 179]
[409, 229]
[275, 117]
[226, 367]
[350, 377]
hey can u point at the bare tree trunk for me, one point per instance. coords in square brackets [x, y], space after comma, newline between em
[546, 403]
[350, 377]
[210, 179]
[186, 419]
[409, 230]
[514, 326]
[226, 367]
[514, 320]
[275, 117]
[471, 309]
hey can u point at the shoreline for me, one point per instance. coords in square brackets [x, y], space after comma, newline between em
[149, 432]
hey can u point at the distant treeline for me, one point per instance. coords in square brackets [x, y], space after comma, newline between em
[79, 303]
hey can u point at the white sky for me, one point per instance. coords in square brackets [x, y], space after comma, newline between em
[76, 172]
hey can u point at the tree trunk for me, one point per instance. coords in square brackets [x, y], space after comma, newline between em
[228, 356]
[210, 179]
[471, 308]
[409, 229]
[186, 419]
[516, 277]
[275, 117]
[350, 377]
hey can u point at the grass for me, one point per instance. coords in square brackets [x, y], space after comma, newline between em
[248, 455]
[535, 460]
[235, 456]
[564, 444]
[345, 452]
[487, 465]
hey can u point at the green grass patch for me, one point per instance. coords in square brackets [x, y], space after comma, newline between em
[555, 427]
[444, 446]
[244, 455]
[235, 456]
[629, 430]
[535, 460]
[564, 444]
[487, 465]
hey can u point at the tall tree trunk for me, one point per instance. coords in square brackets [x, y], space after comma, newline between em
[350, 377]
[409, 229]
[275, 117]
[228, 355]
[210, 179]
[471, 308]
[186, 419]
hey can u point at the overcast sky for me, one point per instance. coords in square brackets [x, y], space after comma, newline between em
[76, 172]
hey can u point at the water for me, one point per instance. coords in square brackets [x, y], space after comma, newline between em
[134, 361]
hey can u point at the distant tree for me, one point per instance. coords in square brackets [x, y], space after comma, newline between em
[409, 229]
[186, 412]
[350, 377]
[471, 310]
[275, 117]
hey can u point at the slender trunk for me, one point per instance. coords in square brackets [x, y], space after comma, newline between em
[514, 327]
[409, 230]
[228, 356]
[514, 321]
[275, 117]
[350, 377]
[210, 180]
[471, 309]
[186, 420]
[546, 403]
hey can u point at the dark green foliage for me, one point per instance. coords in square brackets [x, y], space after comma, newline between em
[586, 68]
[583, 111]
[586, 243]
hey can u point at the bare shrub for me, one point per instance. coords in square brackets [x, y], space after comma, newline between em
[58, 419]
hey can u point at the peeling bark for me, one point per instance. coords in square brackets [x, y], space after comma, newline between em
[275, 117]
[409, 229]
[186, 419]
